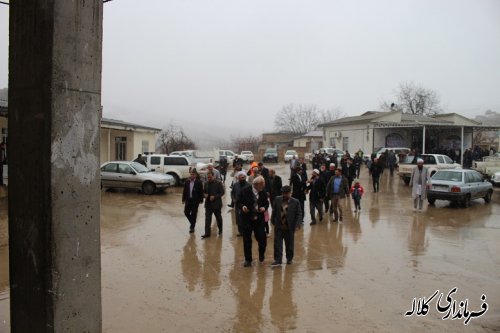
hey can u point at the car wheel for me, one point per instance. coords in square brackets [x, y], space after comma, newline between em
[431, 200]
[406, 180]
[487, 197]
[148, 188]
[466, 201]
[176, 178]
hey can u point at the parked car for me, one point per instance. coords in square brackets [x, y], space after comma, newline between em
[495, 179]
[399, 151]
[247, 156]
[124, 174]
[229, 154]
[270, 155]
[433, 163]
[289, 154]
[178, 167]
[330, 150]
[458, 186]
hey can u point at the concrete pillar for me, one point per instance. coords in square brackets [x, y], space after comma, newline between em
[54, 196]
[423, 141]
[462, 147]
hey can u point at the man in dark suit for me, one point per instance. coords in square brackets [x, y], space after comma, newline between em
[192, 197]
[274, 186]
[299, 189]
[317, 192]
[286, 218]
[213, 192]
[254, 203]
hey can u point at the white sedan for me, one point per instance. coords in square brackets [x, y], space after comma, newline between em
[247, 156]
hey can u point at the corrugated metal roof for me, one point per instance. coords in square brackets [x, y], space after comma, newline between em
[369, 115]
[125, 125]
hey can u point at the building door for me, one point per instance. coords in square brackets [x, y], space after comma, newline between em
[121, 148]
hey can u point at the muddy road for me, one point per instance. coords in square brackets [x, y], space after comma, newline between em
[358, 276]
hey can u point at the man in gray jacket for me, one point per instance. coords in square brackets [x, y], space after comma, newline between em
[286, 217]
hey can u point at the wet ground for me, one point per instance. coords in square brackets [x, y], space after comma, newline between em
[358, 276]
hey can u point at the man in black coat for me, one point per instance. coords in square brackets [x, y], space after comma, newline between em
[317, 192]
[239, 186]
[213, 192]
[286, 218]
[376, 170]
[349, 171]
[299, 189]
[274, 185]
[254, 203]
[192, 197]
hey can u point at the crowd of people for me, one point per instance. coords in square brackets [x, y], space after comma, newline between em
[257, 190]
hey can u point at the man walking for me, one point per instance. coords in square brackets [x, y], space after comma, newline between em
[376, 170]
[299, 189]
[418, 182]
[213, 192]
[274, 186]
[316, 189]
[192, 197]
[337, 190]
[238, 187]
[285, 218]
[254, 203]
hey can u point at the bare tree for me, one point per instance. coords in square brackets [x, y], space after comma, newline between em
[330, 115]
[490, 117]
[414, 99]
[301, 118]
[249, 142]
[174, 138]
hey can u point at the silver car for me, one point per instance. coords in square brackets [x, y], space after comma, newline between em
[458, 186]
[124, 174]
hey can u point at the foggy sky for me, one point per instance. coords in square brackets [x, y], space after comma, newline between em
[228, 66]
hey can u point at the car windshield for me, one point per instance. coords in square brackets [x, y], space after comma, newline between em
[271, 151]
[290, 152]
[139, 167]
[454, 176]
[246, 152]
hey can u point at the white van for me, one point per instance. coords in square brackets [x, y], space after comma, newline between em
[178, 167]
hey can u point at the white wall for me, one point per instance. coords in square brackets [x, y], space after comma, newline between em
[360, 136]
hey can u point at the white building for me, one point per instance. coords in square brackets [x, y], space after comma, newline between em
[373, 130]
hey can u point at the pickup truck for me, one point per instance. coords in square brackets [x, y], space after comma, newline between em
[433, 163]
[488, 166]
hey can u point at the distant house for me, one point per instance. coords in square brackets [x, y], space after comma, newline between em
[124, 141]
[373, 129]
[309, 142]
[119, 140]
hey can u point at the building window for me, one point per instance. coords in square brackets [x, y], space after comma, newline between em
[332, 142]
[345, 143]
[121, 148]
[145, 146]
